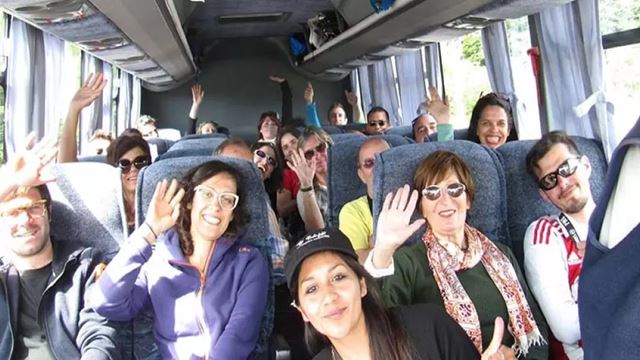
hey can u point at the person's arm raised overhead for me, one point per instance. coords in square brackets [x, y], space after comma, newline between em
[354, 101]
[287, 103]
[86, 94]
[29, 167]
[439, 109]
[197, 94]
[394, 228]
[306, 198]
[310, 107]
[122, 291]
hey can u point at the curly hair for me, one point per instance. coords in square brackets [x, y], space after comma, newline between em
[195, 177]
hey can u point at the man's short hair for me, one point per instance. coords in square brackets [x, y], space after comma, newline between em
[542, 147]
[146, 119]
[376, 109]
[231, 142]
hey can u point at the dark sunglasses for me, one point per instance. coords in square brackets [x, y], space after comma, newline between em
[433, 192]
[566, 169]
[378, 123]
[321, 148]
[368, 163]
[261, 154]
[139, 162]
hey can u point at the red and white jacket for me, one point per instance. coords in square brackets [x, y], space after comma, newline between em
[552, 264]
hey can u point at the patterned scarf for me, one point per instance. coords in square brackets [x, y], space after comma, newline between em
[445, 259]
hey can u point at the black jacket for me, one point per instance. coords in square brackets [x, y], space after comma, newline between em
[72, 328]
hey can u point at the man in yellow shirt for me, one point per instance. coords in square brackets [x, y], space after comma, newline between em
[356, 220]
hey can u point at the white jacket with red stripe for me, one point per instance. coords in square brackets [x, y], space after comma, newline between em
[552, 266]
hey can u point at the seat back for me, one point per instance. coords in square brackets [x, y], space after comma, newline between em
[332, 129]
[404, 130]
[158, 146]
[525, 204]
[208, 143]
[256, 230]
[488, 213]
[204, 136]
[458, 134]
[169, 134]
[344, 183]
[93, 158]
[184, 153]
[88, 207]
[346, 137]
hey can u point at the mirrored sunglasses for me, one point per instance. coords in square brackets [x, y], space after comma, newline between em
[434, 192]
[566, 169]
[320, 148]
[139, 162]
[261, 154]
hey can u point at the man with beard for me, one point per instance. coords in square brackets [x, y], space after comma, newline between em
[43, 314]
[554, 245]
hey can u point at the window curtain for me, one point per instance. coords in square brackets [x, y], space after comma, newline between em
[91, 116]
[383, 89]
[498, 63]
[365, 88]
[124, 101]
[56, 99]
[571, 51]
[411, 84]
[433, 66]
[25, 98]
[136, 100]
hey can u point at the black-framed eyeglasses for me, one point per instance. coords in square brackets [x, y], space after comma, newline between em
[377, 123]
[320, 148]
[263, 155]
[566, 169]
[434, 192]
[139, 162]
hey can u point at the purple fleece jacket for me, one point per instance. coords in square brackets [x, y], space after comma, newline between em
[221, 321]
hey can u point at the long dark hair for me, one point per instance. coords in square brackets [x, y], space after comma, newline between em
[268, 115]
[388, 340]
[122, 144]
[491, 99]
[274, 182]
[195, 177]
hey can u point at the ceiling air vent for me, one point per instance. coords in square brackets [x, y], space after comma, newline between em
[253, 18]
[469, 23]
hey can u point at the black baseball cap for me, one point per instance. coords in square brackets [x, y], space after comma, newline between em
[313, 242]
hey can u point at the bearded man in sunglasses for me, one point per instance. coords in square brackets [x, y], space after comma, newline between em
[554, 245]
[356, 219]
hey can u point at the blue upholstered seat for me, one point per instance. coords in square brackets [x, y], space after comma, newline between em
[209, 143]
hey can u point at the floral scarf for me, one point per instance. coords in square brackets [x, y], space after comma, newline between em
[445, 259]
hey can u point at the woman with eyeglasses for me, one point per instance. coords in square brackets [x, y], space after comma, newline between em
[455, 266]
[130, 154]
[207, 290]
[311, 164]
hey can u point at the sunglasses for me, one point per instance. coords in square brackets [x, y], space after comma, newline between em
[139, 162]
[262, 155]
[378, 123]
[566, 169]
[226, 200]
[433, 192]
[368, 163]
[34, 210]
[320, 148]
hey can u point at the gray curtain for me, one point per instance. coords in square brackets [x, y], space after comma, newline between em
[25, 102]
[365, 88]
[411, 84]
[383, 89]
[433, 66]
[90, 117]
[124, 101]
[571, 51]
[55, 107]
[498, 63]
[106, 121]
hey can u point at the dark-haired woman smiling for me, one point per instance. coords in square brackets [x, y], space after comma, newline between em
[345, 317]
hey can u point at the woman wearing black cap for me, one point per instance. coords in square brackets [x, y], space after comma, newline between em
[345, 317]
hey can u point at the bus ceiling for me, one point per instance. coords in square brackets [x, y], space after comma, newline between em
[162, 42]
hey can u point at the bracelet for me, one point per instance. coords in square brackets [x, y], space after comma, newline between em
[151, 229]
[306, 189]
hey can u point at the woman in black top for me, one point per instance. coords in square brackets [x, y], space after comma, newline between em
[345, 317]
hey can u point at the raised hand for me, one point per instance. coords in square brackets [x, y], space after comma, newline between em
[308, 93]
[164, 207]
[352, 98]
[437, 107]
[277, 79]
[197, 94]
[31, 166]
[394, 227]
[88, 92]
[495, 350]
[306, 170]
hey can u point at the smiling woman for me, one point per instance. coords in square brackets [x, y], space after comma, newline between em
[218, 296]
